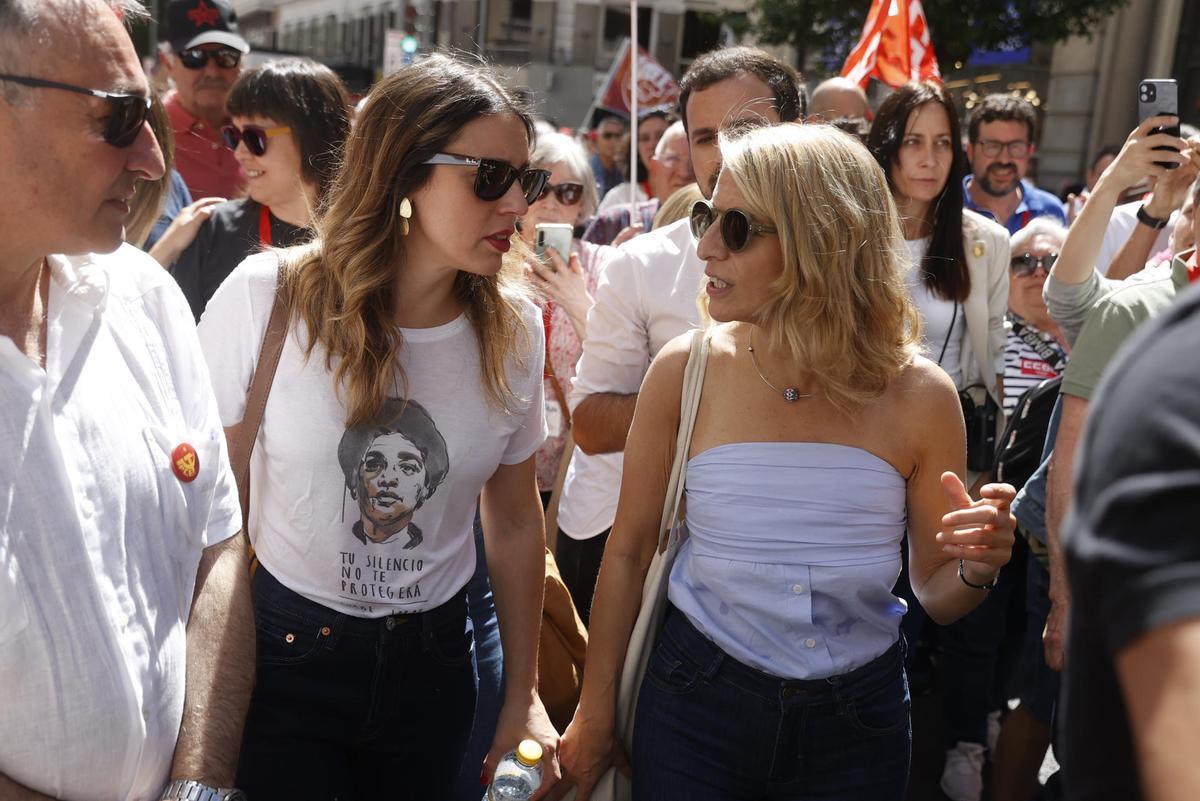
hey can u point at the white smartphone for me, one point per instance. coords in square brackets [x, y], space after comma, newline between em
[553, 235]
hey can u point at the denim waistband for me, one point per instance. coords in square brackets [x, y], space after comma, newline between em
[280, 596]
[878, 670]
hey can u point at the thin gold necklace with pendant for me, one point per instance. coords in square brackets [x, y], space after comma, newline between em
[790, 394]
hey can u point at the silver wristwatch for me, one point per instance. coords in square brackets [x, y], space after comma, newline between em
[190, 790]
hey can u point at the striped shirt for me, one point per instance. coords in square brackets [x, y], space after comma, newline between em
[1026, 366]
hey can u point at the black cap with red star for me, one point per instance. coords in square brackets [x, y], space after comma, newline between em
[191, 23]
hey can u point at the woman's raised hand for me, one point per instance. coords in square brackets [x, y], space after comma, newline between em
[981, 532]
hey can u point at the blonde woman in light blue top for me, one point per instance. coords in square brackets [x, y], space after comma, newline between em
[821, 437]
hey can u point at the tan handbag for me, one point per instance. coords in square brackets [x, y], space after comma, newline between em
[614, 785]
[240, 437]
[562, 648]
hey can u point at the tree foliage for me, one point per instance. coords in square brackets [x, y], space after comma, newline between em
[957, 28]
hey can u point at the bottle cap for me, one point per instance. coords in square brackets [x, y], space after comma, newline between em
[529, 753]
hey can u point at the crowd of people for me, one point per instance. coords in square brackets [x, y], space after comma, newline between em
[302, 424]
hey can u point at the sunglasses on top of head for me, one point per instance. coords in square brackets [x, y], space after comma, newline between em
[1027, 264]
[736, 225]
[253, 136]
[126, 112]
[567, 194]
[494, 177]
[194, 58]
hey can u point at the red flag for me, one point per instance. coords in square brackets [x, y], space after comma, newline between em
[656, 86]
[895, 46]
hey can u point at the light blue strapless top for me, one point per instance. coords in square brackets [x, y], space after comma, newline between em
[792, 552]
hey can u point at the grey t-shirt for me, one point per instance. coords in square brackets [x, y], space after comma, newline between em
[225, 239]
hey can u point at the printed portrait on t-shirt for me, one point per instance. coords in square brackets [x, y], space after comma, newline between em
[392, 467]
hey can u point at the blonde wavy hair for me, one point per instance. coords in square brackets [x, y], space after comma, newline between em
[841, 305]
[341, 285]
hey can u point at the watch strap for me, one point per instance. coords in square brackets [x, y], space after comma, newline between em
[1145, 219]
[191, 790]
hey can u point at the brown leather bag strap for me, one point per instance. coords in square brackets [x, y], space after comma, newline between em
[559, 395]
[241, 437]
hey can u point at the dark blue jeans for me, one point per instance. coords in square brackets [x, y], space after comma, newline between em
[489, 663]
[348, 708]
[709, 727]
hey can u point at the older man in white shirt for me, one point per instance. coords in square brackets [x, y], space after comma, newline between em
[648, 296]
[126, 633]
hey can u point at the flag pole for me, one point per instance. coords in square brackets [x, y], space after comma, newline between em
[633, 109]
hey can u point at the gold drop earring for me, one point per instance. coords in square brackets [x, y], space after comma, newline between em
[405, 215]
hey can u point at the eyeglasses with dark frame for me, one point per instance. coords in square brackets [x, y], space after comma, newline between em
[494, 177]
[127, 112]
[1028, 264]
[1017, 149]
[568, 194]
[195, 58]
[736, 225]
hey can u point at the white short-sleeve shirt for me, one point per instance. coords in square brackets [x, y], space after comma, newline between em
[374, 519]
[99, 538]
[647, 297]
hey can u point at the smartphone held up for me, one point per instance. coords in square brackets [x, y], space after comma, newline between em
[1158, 97]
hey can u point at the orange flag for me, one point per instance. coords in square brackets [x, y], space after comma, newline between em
[895, 46]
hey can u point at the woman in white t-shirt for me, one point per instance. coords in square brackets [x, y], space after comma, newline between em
[409, 386]
[959, 282]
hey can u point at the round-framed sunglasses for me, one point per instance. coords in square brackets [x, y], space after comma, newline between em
[1027, 265]
[253, 136]
[567, 194]
[736, 225]
[126, 112]
[494, 177]
[194, 58]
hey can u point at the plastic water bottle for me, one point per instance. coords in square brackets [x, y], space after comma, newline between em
[518, 775]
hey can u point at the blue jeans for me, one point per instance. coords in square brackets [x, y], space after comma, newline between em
[1039, 684]
[489, 661]
[709, 727]
[353, 708]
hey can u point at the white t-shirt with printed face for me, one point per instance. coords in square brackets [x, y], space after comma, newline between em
[375, 519]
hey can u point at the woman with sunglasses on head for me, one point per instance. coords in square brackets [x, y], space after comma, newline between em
[408, 391]
[289, 119]
[958, 279]
[821, 435]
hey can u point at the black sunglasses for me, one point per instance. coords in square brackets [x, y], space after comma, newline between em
[195, 58]
[1027, 265]
[736, 225]
[494, 177]
[567, 194]
[126, 116]
[253, 136]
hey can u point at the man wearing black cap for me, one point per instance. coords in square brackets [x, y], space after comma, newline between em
[203, 58]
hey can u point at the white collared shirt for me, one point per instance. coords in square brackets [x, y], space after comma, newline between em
[647, 297]
[99, 541]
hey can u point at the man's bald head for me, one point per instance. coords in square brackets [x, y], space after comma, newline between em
[838, 97]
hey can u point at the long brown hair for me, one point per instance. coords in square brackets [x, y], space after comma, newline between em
[944, 268]
[341, 285]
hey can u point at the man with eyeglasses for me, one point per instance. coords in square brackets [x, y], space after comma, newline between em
[203, 57]
[1001, 132]
[605, 161]
[126, 632]
[670, 171]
